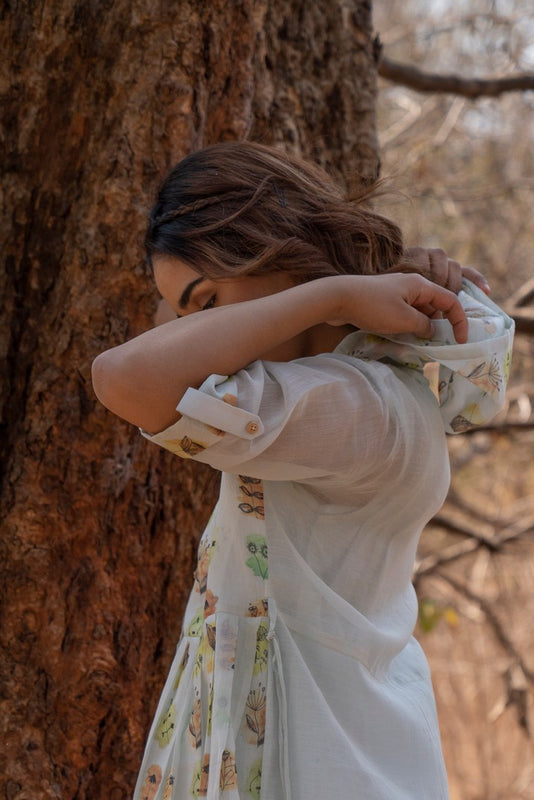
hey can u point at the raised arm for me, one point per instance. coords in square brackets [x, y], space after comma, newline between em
[143, 380]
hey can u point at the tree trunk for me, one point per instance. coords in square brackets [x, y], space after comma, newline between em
[99, 528]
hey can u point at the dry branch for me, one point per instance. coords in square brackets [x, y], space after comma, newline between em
[516, 307]
[493, 619]
[501, 427]
[472, 88]
[524, 319]
[518, 672]
[452, 525]
[473, 542]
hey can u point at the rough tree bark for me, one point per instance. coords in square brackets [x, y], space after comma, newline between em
[98, 528]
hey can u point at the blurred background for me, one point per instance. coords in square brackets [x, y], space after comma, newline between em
[462, 171]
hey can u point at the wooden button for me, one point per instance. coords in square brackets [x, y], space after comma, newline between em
[252, 427]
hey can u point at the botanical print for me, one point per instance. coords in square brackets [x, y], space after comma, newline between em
[205, 552]
[210, 634]
[255, 711]
[195, 626]
[253, 786]
[460, 424]
[251, 496]
[167, 794]
[195, 724]
[152, 782]
[444, 386]
[258, 608]
[181, 667]
[228, 779]
[257, 561]
[195, 782]
[218, 639]
[197, 667]
[210, 707]
[184, 447]
[165, 729]
[210, 604]
[204, 776]
[486, 374]
[205, 659]
[261, 657]
[216, 431]
[469, 417]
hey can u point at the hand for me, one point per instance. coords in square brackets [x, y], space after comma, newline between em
[398, 303]
[435, 265]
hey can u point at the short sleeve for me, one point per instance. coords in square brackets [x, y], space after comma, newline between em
[469, 380]
[299, 420]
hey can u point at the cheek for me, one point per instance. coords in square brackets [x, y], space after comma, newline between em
[164, 313]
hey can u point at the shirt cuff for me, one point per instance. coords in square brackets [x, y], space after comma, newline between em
[206, 419]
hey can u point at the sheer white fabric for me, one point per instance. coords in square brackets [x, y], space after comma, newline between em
[297, 675]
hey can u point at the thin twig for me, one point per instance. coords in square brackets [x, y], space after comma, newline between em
[452, 525]
[431, 563]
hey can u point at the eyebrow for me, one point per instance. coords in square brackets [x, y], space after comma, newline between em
[186, 294]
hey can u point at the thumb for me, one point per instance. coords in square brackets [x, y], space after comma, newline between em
[421, 325]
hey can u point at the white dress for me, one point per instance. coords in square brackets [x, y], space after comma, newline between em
[297, 676]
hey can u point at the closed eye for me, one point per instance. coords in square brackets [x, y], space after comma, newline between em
[210, 303]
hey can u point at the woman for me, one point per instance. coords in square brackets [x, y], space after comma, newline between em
[297, 675]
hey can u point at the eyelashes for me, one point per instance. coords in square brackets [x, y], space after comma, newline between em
[210, 303]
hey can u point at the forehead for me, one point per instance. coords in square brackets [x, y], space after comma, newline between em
[172, 276]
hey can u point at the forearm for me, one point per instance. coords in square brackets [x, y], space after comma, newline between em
[143, 380]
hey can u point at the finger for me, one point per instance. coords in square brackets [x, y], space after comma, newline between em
[447, 302]
[445, 271]
[418, 258]
[438, 268]
[477, 278]
[454, 276]
[419, 323]
[427, 309]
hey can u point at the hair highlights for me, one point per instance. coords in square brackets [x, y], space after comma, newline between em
[238, 208]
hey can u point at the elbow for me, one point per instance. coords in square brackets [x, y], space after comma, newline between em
[106, 380]
[128, 388]
[116, 385]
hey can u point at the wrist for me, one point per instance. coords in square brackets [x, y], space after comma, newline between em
[339, 296]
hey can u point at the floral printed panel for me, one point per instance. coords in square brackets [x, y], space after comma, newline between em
[191, 750]
[472, 377]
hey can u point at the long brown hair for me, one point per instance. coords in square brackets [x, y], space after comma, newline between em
[238, 208]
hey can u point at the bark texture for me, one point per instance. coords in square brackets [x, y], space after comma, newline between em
[99, 529]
